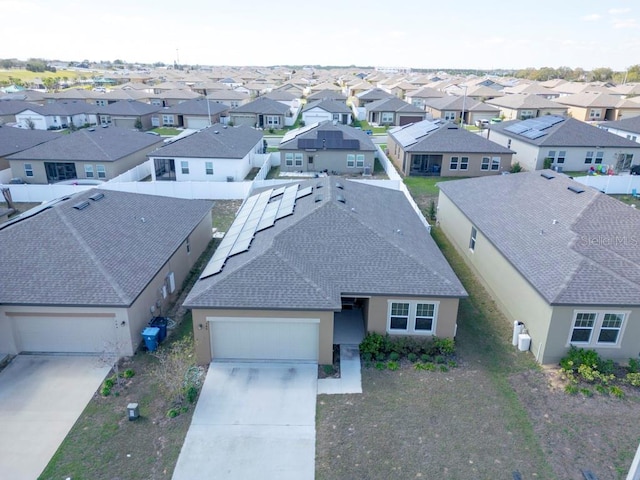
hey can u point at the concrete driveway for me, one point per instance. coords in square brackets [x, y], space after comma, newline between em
[253, 420]
[41, 397]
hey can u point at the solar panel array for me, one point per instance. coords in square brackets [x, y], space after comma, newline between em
[298, 131]
[533, 128]
[409, 135]
[332, 139]
[258, 212]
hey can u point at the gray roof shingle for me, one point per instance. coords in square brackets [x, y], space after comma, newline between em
[128, 108]
[105, 254]
[197, 106]
[393, 105]
[316, 132]
[631, 124]
[328, 105]
[262, 105]
[216, 141]
[374, 244]
[574, 249]
[13, 140]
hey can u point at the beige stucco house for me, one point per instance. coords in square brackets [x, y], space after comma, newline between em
[85, 274]
[302, 258]
[555, 255]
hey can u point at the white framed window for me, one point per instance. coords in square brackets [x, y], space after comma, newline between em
[525, 114]
[28, 170]
[552, 155]
[412, 317]
[184, 166]
[101, 103]
[167, 120]
[351, 160]
[464, 163]
[157, 102]
[599, 157]
[386, 117]
[298, 159]
[561, 156]
[88, 171]
[450, 116]
[234, 104]
[102, 172]
[597, 328]
[105, 119]
[360, 160]
[453, 163]
[595, 113]
[473, 238]
[495, 163]
[588, 158]
[288, 159]
[273, 120]
[633, 138]
[485, 163]
[208, 168]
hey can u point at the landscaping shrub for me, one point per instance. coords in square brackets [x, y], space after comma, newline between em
[412, 357]
[633, 379]
[191, 394]
[128, 373]
[394, 356]
[392, 365]
[373, 344]
[426, 358]
[634, 365]
[616, 392]
[381, 365]
[380, 356]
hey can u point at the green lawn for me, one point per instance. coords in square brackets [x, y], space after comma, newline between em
[419, 186]
[27, 76]
[364, 125]
[167, 131]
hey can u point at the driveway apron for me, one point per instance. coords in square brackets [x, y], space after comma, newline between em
[41, 397]
[253, 420]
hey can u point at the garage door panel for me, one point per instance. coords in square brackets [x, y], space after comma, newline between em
[64, 334]
[197, 123]
[264, 339]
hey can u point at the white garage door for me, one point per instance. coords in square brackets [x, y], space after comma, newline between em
[310, 118]
[64, 334]
[196, 123]
[264, 338]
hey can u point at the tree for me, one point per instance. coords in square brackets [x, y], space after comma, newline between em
[602, 74]
[30, 124]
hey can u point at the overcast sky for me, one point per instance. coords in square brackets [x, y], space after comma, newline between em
[417, 33]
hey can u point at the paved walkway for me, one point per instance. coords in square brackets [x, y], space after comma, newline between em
[350, 380]
[253, 420]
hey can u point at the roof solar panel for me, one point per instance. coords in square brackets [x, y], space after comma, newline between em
[213, 267]
[304, 192]
[533, 134]
[517, 128]
[277, 191]
[269, 216]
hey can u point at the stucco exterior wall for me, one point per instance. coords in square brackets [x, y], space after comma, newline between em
[326, 160]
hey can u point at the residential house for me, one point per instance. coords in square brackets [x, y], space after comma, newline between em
[520, 106]
[122, 94]
[393, 111]
[327, 147]
[567, 144]
[439, 148]
[72, 95]
[262, 113]
[482, 93]
[372, 95]
[230, 98]
[592, 106]
[286, 98]
[195, 114]
[31, 96]
[58, 115]
[101, 265]
[9, 109]
[327, 95]
[628, 128]
[418, 98]
[532, 89]
[14, 140]
[554, 255]
[215, 154]
[297, 90]
[128, 114]
[452, 108]
[337, 254]
[326, 110]
[99, 153]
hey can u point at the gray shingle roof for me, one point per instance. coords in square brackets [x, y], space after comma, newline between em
[13, 140]
[216, 141]
[568, 133]
[72, 107]
[11, 107]
[128, 108]
[197, 106]
[329, 105]
[326, 94]
[451, 102]
[325, 249]
[262, 105]
[318, 131]
[393, 105]
[522, 100]
[105, 255]
[443, 137]
[590, 254]
[631, 124]
[374, 94]
[91, 144]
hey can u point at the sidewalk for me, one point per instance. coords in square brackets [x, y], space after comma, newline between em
[350, 380]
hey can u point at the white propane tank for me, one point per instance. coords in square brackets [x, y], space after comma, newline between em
[517, 330]
[524, 342]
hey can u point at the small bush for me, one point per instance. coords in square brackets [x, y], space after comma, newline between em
[579, 356]
[380, 357]
[381, 366]
[444, 368]
[425, 358]
[516, 168]
[367, 356]
[412, 357]
[109, 382]
[634, 365]
[586, 392]
[128, 373]
[373, 344]
[602, 390]
[633, 379]
[439, 359]
[393, 366]
[328, 369]
[571, 389]
[394, 356]
[105, 391]
[443, 346]
[191, 394]
[452, 364]
[173, 413]
[616, 392]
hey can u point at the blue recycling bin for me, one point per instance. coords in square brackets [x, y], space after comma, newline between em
[150, 335]
[161, 323]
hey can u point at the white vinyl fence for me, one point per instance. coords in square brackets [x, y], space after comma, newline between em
[612, 184]
[5, 175]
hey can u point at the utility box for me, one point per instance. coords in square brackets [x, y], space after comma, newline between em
[524, 342]
[133, 411]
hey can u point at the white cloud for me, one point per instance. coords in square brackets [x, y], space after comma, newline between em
[619, 11]
[591, 18]
[628, 23]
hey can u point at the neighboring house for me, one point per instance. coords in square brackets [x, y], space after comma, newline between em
[58, 115]
[451, 108]
[9, 109]
[286, 98]
[14, 140]
[327, 95]
[262, 113]
[325, 253]
[438, 148]
[101, 265]
[215, 154]
[520, 106]
[128, 114]
[127, 94]
[483, 93]
[418, 98]
[591, 107]
[170, 98]
[555, 255]
[72, 95]
[532, 89]
[230, 98]
[327, 147]
[296, 90]
[326, 110]
[569, 144]
[393, 111]
[372, 95]
[31, 96]
[628, 128]
[194, 114]
[91, 153]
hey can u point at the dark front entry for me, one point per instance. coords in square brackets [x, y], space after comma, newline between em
[427, 165]
[165, 168]
[58, 171]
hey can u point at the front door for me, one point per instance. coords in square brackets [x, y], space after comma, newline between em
[59, 171]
